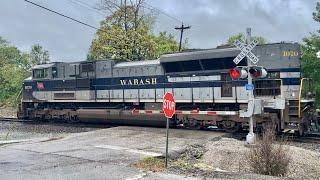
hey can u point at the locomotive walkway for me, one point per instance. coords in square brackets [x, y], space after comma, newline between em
[100, 154]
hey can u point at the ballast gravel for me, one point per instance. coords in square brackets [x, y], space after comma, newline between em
[229, 155]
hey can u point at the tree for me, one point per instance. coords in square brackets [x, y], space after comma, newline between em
[126, 34]
[14, 67]
[165, 43]
[241, 37]
[310, 64]
[3, 42]
[39, 55]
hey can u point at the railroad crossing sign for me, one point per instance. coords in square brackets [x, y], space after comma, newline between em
[246, 51]
[169, 105]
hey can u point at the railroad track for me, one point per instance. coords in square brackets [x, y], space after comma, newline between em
[308, 139]
[311, 138]
[14, 120]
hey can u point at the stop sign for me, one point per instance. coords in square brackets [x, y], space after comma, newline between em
[169, 105]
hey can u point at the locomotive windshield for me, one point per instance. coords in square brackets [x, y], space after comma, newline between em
[40, 73]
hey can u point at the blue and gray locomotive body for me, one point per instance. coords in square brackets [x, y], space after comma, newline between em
[205, 94]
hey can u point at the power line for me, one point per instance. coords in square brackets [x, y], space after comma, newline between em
[87, 6]
[60, 14]
[164, 13]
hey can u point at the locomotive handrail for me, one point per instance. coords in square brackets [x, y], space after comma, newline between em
[300, 95]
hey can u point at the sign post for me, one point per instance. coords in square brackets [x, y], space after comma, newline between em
[250, 138]
[168, 108]
[251, 58]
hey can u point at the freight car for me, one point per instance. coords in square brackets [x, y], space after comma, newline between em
[131, 92]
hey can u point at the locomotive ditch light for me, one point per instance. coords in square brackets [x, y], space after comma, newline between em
[258, 72]
[238, 73]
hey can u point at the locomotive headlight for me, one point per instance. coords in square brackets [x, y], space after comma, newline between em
[293, 94]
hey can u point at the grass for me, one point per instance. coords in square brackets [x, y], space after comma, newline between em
[187, 160]
[154, 164]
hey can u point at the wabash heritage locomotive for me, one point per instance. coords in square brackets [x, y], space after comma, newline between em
[131, 92]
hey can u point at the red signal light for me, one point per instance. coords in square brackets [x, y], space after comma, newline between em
[258, 72]
[254, 72]
[235, 74]
[238, 73]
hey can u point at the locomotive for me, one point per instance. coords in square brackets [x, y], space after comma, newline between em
[131, 93]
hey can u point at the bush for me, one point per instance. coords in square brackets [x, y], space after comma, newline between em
[269, 158]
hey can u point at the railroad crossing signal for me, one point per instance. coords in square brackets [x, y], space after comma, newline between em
[246, 51]
[250, 72]
[243, 72]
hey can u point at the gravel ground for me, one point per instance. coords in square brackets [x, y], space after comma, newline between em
[192, 162]
[8, 112]
[309, 146]
[19, 130]
[230, 155]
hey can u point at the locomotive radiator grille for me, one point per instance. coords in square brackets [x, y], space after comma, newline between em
[64, 96]
[269, 87]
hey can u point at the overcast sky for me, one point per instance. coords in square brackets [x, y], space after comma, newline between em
[211, 21]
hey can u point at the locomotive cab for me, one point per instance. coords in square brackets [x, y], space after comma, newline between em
[45, 71]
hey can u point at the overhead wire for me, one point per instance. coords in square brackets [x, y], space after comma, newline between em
[87, 6]
[60, 14]
[96, 10]
[164, 13]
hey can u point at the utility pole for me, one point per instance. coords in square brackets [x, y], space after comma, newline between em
[250, 138]
[181, 29]
[125, 16]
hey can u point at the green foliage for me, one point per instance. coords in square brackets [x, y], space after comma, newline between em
[129, 38]
[241, 37]
[38, 55]
[310, 64]
[164, 44]
[14, 67]
[11, 81]
[3, 42]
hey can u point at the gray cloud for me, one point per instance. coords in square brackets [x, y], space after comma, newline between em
[212, 23]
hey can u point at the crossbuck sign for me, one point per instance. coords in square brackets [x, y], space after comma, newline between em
[246, 51]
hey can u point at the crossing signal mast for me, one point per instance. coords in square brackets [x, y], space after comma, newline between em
[248, 72]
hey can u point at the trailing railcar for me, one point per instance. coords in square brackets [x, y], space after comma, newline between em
[205, 94]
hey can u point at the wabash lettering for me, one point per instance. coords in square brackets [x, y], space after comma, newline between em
[138, 81]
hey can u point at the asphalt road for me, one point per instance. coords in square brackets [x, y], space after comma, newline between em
[92, 153]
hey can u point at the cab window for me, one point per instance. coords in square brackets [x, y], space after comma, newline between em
[40, 73]
[54, 72]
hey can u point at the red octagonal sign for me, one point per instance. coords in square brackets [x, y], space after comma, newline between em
[169, 105]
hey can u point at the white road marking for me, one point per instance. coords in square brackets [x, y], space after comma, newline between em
[23, 140]
[136, 151]
[137, 177]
